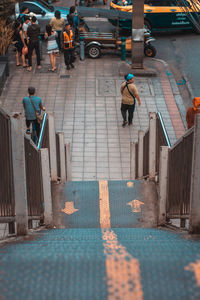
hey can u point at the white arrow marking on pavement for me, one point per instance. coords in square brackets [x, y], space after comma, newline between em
[69, 208]
[130, 184]
[135, 205]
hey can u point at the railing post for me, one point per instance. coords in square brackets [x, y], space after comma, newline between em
[152, 145]
[46, 182]
[163, 177]
[132, 161]
[68, 161]
[82, 48]
[19, 174]
[62, 162]
[140, 153]
[52, 147]
[194, 220]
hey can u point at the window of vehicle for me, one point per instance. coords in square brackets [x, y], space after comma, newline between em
[46, 5]
[31, 7]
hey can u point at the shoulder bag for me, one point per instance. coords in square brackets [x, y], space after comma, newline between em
[39, 116]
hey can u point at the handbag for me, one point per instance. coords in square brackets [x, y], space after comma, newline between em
[39, 116]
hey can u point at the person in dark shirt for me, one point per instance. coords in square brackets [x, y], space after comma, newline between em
[19, 43]
[33, 33]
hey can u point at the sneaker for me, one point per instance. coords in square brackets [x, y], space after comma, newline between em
[68, 67]
[28, 131]
[72, 66]
[124, 123]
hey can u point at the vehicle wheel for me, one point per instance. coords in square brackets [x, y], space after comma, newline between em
[150, 51]
[147, 25]
[94, 51]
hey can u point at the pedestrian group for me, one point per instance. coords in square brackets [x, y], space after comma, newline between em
[60, 37]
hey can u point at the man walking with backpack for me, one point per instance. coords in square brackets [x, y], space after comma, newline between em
[129, 92]
[33, 32]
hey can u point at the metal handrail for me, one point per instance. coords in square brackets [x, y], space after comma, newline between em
[164, 130]
[42, 131]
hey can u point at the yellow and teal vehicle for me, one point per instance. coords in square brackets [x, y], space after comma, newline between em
[160, 14]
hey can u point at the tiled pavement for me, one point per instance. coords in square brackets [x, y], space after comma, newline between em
[87, 108]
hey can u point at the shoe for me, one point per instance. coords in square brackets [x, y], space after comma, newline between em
[28, 131]
[124, 123]
[68, 67]
[130, 123]
[72, 66]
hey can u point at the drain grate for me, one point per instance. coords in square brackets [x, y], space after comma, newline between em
[64, 76]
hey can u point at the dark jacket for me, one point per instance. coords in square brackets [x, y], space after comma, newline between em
[33, 32]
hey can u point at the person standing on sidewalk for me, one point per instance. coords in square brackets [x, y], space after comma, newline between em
[52, 46]
[192, 111]
[33, 33]
[68, 46]
[57, 24]
[32, 103]
[129, 92]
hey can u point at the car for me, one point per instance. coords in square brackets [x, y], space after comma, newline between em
[159, 14]
[43, 11]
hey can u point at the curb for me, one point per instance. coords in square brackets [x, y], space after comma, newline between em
[175, 90]
[125, 67]
[189, 87]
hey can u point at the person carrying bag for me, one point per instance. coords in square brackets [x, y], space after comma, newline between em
[32, 106]
[129, 92]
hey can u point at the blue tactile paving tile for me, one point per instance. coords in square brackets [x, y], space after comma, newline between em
[59, 265]
[119, 196]
[163, 255]
[85, 196]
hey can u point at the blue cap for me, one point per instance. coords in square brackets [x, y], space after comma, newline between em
[129, 76]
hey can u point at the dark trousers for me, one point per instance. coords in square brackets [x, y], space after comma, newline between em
[31, 47]
[68, 54]
[130, 108]
[58, 39]
[36, 124]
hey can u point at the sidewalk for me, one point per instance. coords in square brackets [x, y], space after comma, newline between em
[87, 108]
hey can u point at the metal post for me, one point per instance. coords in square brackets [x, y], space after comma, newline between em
[132, 161]
[163, 168]
[140, 153]
[62, 156]
[19, 174]
[123, 48]
[82, 48]
[40, 43]
[137, 34]
[68, 161]
[46, 181]
[52, 147]
[152, 145]
[194, 220]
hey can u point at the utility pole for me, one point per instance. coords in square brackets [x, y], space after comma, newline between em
[137, 34]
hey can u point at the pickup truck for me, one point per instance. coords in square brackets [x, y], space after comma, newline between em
[43, 11]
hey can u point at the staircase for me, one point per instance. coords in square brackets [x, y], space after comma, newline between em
[105, 246]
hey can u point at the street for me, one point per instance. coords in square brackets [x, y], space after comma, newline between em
[179, 49]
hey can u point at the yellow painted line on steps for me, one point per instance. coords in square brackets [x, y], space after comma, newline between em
[195, 267]
[122, 270]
